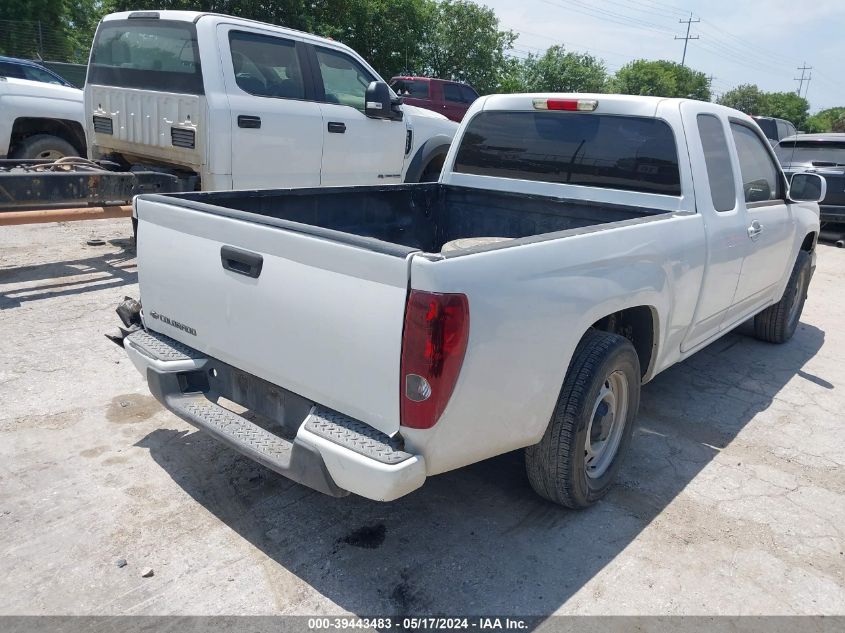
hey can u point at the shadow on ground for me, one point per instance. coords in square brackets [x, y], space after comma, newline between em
[57, 279]
[478, 540]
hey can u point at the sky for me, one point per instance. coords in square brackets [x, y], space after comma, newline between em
[761, 42]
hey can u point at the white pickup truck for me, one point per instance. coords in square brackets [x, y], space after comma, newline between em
[362, 339]
[227, 103]
[40, 120]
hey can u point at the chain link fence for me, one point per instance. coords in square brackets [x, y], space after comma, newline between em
[30, 39]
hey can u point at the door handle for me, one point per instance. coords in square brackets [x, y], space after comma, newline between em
[249, 121]
[240, 261]
[337, 127]
[755, 229]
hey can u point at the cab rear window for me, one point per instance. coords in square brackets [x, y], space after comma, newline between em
[596, 150]
[148, 55]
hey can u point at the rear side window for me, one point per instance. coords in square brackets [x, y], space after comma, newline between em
[760, 180]
[718, 161]
[596, 150]
[412, 88]
[266, 66]
[452, 92]
[11, 70]
[148, 55]
[769, 127]
[469, 94]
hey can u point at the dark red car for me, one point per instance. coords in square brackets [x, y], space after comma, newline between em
[450, 98]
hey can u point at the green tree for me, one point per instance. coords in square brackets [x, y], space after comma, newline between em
[560, 71]
[746, 98]
[55, 30]
[786, 105]
[463, 42]
[661, 78]
[750, 99]
[825, 120]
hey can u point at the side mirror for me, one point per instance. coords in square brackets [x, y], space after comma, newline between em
[379, 103]
[807, 187]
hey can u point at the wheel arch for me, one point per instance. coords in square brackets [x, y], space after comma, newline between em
[809, 243]
[433, 149]
[66, 129]
[640, 325]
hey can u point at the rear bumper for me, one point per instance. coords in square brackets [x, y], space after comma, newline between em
[308, 443]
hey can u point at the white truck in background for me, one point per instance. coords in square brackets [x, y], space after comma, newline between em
[228, 103]
[40, 120]
[574, 247]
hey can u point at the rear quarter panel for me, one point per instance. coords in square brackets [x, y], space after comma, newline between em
[530, 304]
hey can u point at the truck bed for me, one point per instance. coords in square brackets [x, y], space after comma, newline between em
[399, 219]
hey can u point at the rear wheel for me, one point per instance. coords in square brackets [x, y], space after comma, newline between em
[576, 462]
[44, 146]
[777, 323]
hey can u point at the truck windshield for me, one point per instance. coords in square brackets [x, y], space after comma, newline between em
[146, 54]
[597, 150]
[827, 152]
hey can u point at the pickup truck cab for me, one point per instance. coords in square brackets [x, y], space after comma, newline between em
[40, 120]
[228, 103]
[452, 99]
[574, 247]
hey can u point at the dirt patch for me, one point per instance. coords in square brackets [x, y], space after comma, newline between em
[96, 451]
[132, 408]
[52, 421]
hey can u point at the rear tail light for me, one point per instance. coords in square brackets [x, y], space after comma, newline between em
[433, 347]
[575, 105]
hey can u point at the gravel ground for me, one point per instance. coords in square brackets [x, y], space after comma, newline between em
[732, 500]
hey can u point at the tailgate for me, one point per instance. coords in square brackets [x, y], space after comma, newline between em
[322, 318]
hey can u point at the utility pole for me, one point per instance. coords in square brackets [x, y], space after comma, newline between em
[801, 79]
[689, 22]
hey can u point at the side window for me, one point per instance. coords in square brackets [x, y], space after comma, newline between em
[11, 70]
[345, 81]
[469, 94]
[36, 74]
[718, 162]
[760, 180]
[790, 130]
[782, 131]
[452, 92]
[266, 66]
[411, 88]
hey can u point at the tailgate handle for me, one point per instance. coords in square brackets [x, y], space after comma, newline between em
[241, 261]
[248, 121]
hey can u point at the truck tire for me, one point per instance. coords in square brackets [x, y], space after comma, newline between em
[777, 323]
[576, 462]
[44, 146]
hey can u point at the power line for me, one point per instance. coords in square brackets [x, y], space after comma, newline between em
[689, 22]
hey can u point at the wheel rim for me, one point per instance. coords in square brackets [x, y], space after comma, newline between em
[50, 154]
[796, 300]
[607, 423]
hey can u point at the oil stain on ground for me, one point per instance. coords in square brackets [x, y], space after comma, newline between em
[367, 537]
[131, 408]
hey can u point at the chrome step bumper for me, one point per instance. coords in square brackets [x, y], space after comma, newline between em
[308, 443]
